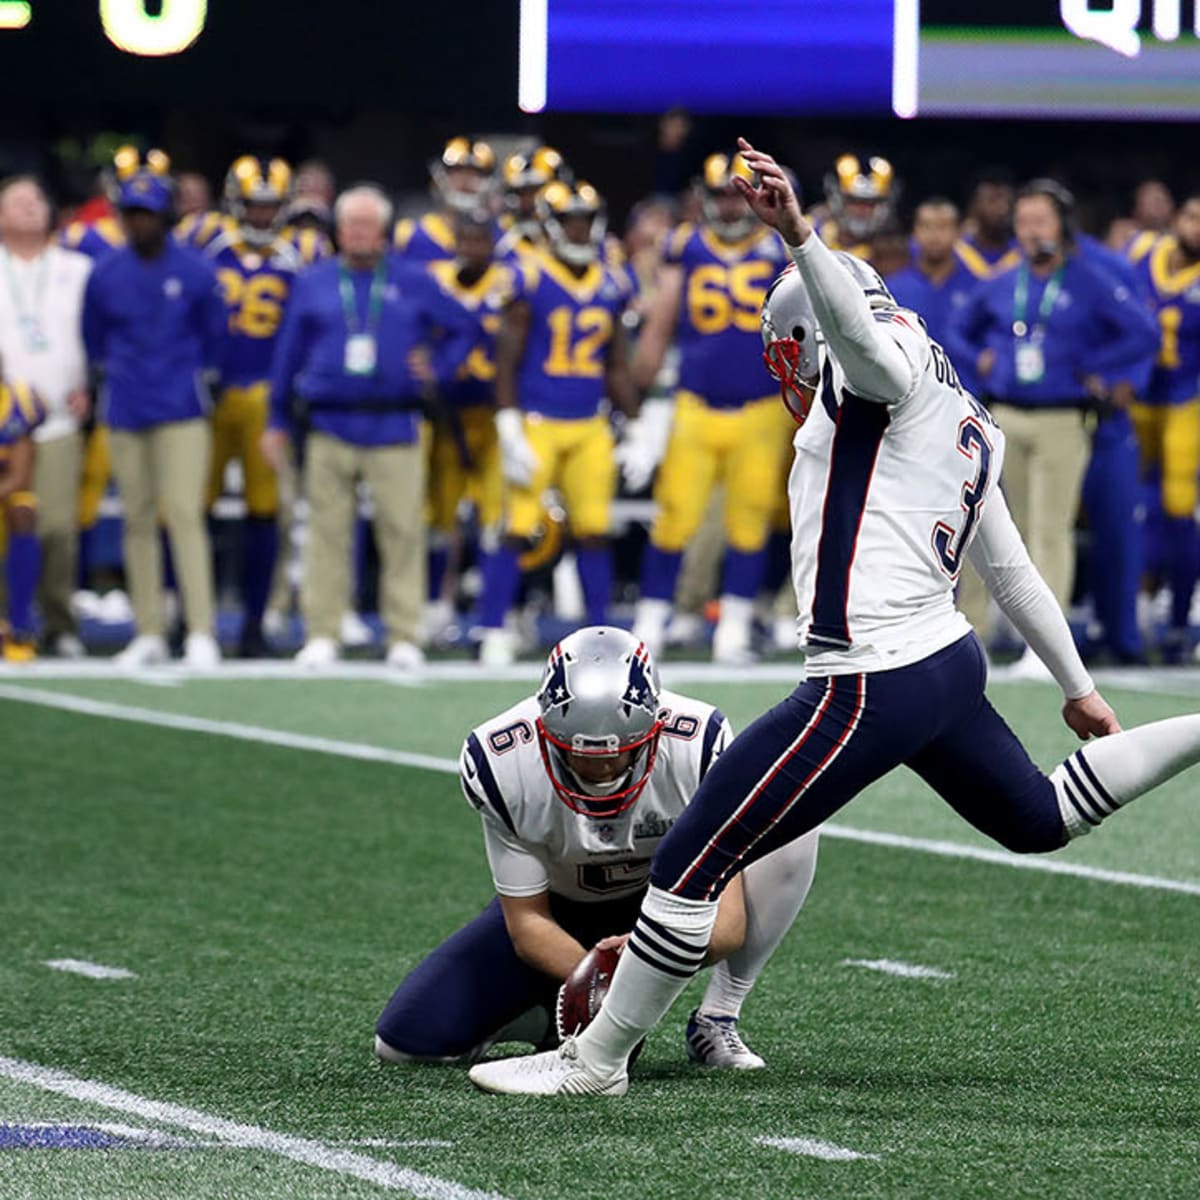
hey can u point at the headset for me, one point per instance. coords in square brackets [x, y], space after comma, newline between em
[1063, 201]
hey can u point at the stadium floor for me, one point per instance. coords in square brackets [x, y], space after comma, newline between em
[266, 853]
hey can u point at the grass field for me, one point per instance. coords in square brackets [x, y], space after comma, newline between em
[268, 897]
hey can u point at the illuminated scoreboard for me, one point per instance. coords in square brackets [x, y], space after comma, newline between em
[318, 57]
[130, 25]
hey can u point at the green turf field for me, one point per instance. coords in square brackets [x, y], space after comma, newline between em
[269, 897]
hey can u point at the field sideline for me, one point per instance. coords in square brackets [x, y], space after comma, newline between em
[937, 1025]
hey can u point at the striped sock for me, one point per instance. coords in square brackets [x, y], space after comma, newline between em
[1106, 774]
[667, 947]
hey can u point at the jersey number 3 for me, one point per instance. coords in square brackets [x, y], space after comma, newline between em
[949, 543]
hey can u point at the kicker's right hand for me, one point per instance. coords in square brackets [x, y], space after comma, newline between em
[518, 461]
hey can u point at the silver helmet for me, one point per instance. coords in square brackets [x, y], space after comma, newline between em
[599, 696]
[792, 339]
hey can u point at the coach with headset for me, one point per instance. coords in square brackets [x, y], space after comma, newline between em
[1043, 337]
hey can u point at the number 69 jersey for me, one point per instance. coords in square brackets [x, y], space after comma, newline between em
[535, 843]
[885, 498]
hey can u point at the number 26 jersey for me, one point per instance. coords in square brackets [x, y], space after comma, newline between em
[535, 843]
[885, 499]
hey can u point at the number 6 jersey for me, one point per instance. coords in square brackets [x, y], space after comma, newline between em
[535, 843]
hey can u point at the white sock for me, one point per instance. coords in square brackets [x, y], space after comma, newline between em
[666, 948]
[650, 623]
[1109, 772]
[776, 887]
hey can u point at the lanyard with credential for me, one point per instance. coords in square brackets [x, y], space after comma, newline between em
[28, 316]
[374, 301]
[1021, 300]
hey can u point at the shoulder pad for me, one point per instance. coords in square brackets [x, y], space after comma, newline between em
[1140, 246]
[405, 228]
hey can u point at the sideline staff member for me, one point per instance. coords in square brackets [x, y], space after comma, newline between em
[1039, 337]
[154, 321]
[354, 348]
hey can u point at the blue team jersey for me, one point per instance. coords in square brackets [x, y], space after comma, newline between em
[430, 238]
[985, 262]
[719, 334]
[1174, 298]
[484, 299]
[256, 283]
[96, 240]
[572, 322]
[936, 302]
[21, 412]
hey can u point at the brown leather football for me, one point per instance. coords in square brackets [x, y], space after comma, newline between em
[583, 991]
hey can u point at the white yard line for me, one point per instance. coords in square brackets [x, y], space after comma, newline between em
[367, 752]
[889, 966]
[1003, 858]
[1181, 682]
[390, 1176]
[80, 966]
[230, 729]
[814, 1148]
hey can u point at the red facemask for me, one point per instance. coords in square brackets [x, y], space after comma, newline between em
[614, 803]
[782, 357]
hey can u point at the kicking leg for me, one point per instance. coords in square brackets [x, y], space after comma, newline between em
[981, 769]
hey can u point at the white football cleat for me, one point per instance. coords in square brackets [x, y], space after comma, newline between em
[146, 650]
[731, 638]
[405, 656]
[650, 624]
[318, 652]
[553, 1073]
[497, 648]
[201, 650]
[715, 1042]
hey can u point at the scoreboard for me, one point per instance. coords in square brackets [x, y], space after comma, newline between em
[1126, 59]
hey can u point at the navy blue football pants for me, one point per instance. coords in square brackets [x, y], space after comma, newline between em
[809, 755]
[474, 984]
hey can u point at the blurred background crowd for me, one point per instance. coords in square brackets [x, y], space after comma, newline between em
[273, 412]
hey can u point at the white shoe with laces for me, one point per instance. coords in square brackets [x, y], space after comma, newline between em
[555, 1073]
[715, 1042]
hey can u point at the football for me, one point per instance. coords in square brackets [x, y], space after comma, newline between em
[583, 991]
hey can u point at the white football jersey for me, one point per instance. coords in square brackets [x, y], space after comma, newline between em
[535, 843]
[885, 499]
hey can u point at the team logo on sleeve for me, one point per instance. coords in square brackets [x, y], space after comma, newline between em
[556, 691]
[640, 691]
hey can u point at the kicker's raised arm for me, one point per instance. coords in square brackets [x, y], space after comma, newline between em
[875, 365]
